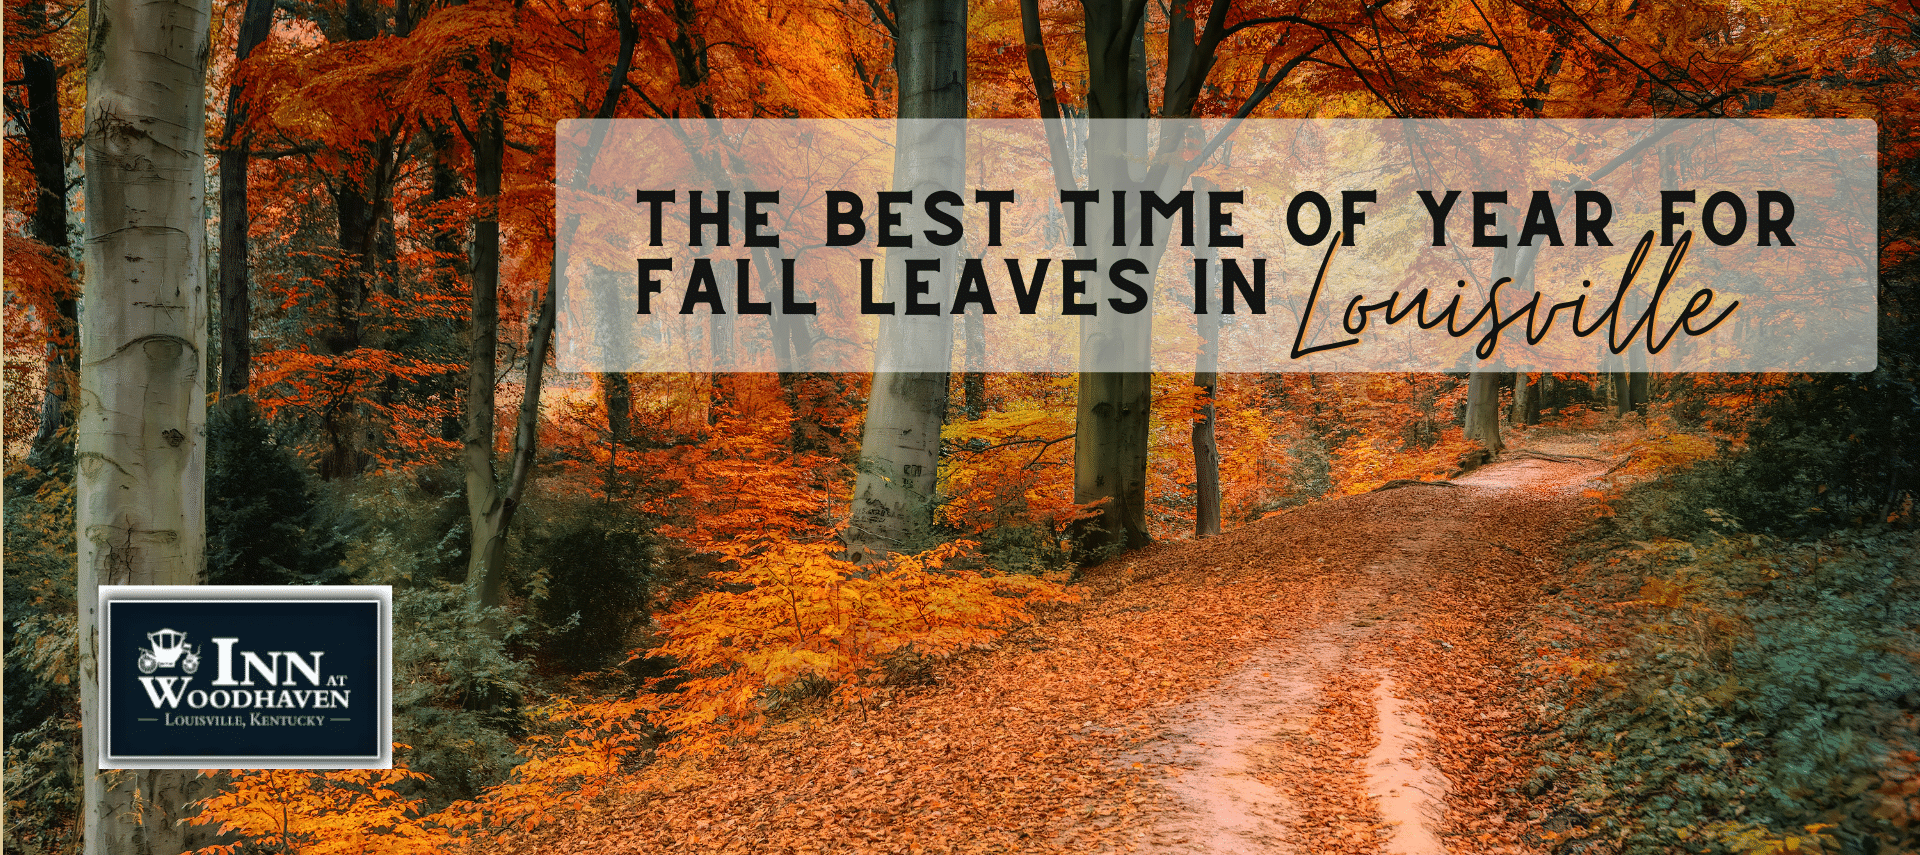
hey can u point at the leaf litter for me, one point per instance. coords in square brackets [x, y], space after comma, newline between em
[1221, 695]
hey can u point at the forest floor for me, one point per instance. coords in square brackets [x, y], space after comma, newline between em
[1339, 678]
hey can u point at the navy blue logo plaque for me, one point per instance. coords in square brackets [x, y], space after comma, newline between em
[246, 677]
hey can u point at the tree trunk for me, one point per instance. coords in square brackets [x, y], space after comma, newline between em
[617, 394]
[1206, 450]
[1113, 410]
[1206, 455]
[973, 384]
[236, 309]
[49, 226]
[489, 511]
[1483, 410]
[342, 423]
[1638, 384]
[362, 206]
[1526, 405]
[893, 494]
[1482, 420]
[491, 505]
[1114, 407]
[141, 458]
[617, 391]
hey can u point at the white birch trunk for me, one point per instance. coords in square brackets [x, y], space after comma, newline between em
[893, 494]
[141, 457]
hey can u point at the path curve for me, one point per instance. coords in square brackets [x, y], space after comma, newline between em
[1217, 761]
[1315, 682]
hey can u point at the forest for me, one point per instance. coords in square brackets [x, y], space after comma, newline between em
[938, 607]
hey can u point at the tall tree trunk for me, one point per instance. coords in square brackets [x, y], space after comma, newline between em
[1482, 421]
[1632, 385]
[490, 508]
[490, 505]
[362, 205]
[49, 226]
[1114, 407]
[236, 308]
[1206, 375]
[893, 493]
[1113, 411]
[1206, 451]
[617, 394]
[359, 214]
[973, 384]
[1639, 383]
[141, 459]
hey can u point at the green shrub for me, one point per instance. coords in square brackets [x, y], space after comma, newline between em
[264, 526]
[458, 696]
[585, 567]
[1767, 687]
[42, 710]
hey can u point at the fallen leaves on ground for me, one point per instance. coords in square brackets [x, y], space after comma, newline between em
[1024, 747]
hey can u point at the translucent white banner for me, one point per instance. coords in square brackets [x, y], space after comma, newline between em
[1279, 245]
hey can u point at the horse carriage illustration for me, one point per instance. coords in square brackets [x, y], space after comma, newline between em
[169, 649]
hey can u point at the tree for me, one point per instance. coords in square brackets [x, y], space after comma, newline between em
[900, 443]
[142, 438]
[236, 306]
[491, 506]
[1112, 429]
[1483, 410]
[1113, 422]
[1206, 376]
[1526, 399]
[37, 113]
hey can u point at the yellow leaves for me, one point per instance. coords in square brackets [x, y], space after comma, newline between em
[1666, 593]
[1365, 463]
[561, 771]
[1673, 450]
[321, 813]
[1754, 839]
[356, 811]
[795, 613]
[1010, 468]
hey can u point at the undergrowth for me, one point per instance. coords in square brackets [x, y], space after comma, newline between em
[1752, 694]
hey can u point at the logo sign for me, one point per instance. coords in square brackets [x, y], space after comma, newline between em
[246, 677]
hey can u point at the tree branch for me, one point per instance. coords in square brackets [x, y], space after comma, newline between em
[1040, 70]
[886, 20]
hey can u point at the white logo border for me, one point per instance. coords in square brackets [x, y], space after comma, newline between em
[382, 595]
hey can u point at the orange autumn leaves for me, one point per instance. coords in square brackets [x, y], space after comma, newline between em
[354, 811]
[333, 813]
[786, 615]
[789, 614]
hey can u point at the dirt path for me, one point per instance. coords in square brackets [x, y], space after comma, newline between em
[1335, 679]
[1224, 746]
